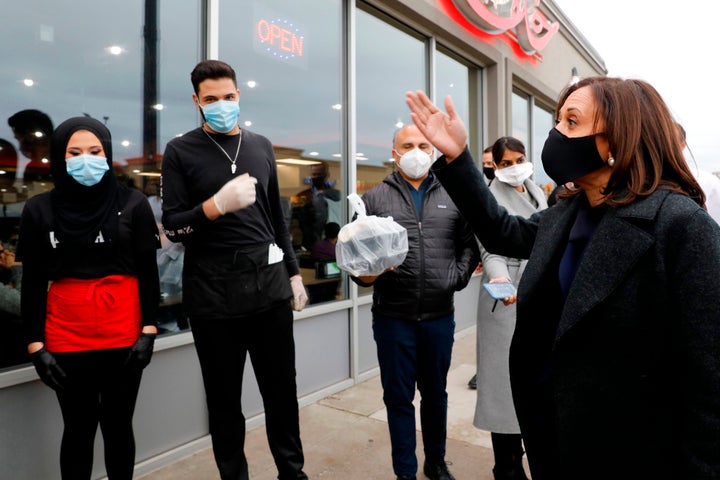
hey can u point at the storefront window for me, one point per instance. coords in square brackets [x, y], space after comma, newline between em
[542, 123]
[539, 124]
[61, 62]
[453, 78]
[390, 61]
[521, 117]
[289, 63]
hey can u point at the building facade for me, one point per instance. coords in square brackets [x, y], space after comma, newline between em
[325, 81]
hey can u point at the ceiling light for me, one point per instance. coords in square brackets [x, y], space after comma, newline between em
[297, 161]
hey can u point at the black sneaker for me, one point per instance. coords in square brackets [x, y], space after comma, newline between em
[437, 471]
[472, 384]
[406, 477]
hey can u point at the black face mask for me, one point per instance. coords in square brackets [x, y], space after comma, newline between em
[319, 182]
[566, 159]
[489, 172]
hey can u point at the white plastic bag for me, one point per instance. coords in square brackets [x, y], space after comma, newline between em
[370, 245]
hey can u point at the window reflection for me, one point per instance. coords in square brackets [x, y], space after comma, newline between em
[136, 84]
[542, 123]
[453, 78]
[390, 62]
[523, 106]
[288, 58]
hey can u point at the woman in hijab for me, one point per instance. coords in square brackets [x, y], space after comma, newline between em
[91, 333]
[614, 361]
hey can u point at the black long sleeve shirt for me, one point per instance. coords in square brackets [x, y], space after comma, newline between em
[194, 169]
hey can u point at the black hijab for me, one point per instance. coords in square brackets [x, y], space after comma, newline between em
[82, 212]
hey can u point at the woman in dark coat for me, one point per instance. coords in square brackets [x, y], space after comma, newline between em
[614, 362]
[90, 295]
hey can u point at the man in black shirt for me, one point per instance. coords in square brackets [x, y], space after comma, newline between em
[240, 279]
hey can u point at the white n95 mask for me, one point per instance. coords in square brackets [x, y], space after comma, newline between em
[415, 163]
[515, 175]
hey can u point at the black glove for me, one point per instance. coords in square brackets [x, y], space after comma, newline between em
[47, 368]
[141, 353]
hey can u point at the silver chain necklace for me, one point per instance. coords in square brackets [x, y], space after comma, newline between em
[233, 167]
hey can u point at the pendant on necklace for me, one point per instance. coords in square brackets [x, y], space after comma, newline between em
[233, 167]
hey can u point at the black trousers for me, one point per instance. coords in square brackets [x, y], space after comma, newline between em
[222, 347]
[99, 391]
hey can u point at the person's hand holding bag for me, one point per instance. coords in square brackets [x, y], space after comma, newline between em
[236, 194]
[300, 297]
[141, 352]
[47, 368]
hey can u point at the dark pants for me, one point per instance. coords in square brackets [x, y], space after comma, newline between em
[410, 352]
[222, 346]
[99, 390]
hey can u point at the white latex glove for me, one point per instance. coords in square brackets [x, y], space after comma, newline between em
[300, 297]
[236, 194]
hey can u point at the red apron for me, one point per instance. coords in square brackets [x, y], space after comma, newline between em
[93, 314]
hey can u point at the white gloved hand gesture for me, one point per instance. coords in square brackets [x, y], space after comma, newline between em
[300, 297]
[236, 194]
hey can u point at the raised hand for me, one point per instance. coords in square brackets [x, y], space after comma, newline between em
[444, 130]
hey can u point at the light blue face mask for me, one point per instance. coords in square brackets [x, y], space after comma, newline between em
[87, 169]
[221, 116]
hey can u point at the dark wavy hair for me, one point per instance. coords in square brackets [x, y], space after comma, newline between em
[503, 144]
[643, 139]
[214, 69]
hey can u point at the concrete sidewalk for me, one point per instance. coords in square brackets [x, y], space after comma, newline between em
[345, 435]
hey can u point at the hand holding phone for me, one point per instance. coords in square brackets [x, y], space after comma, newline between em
[501, 290]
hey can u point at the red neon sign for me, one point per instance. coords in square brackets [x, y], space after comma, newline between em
[280, 38]
[520, 20]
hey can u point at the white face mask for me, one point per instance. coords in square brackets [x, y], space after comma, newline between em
[515, 175]
[415, 163]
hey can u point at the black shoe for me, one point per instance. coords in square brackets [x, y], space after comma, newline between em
[437, 471]
[406, 477]
[472, 384]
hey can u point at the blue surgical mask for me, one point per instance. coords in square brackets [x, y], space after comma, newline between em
[87, 169]
[221, 116]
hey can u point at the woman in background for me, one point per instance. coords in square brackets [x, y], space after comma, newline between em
[91, 333]
[515, 190]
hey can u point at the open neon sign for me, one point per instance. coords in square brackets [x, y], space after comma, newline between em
[280, 38]
[520, 20]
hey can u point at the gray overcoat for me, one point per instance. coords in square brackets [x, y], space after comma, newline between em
[494, 410]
